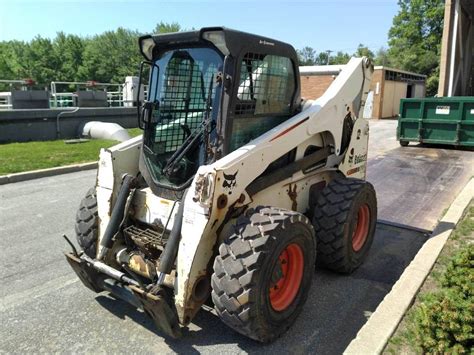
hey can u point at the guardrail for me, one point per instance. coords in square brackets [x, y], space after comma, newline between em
[62, 99]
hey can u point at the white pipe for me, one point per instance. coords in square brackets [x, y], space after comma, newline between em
[105, 130]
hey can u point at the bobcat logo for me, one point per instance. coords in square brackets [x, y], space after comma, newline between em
[229, 182]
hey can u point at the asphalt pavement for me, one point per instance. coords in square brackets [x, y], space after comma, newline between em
[45, 308]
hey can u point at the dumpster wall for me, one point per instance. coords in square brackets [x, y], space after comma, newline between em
[437, 120]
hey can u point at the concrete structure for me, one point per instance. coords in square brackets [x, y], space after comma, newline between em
[388, 87]
[457, 50]
[50, 124]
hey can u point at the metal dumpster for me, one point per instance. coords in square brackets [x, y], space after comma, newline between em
[438, 120]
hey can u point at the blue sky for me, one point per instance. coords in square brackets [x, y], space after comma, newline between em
[321, 24]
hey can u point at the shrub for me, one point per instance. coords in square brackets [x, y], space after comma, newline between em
[444, 321]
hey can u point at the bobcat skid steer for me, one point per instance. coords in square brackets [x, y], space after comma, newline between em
[236, 189]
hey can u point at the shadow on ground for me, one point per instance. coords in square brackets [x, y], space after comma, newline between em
[337, 307]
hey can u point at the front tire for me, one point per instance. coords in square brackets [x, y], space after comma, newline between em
[87, 222]
[263, 272]
[344, 221]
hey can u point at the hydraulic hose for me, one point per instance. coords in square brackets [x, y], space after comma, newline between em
[170, 252]
[116, 217]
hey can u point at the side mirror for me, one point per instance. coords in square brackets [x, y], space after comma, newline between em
[145, 109]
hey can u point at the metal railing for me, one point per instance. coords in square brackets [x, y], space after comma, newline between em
[58, 98]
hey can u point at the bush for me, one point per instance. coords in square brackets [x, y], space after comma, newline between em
[459, 274]
[444, 321]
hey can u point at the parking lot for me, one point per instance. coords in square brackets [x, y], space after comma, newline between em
[44, 307]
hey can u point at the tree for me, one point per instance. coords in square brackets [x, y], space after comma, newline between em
[364, 51]
[339, 58]
[163, 27]
[382, 57]
[69, 51]
[415, 38]
[306, 56]
[111, 56]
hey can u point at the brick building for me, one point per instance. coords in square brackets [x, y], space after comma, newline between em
[387, 88]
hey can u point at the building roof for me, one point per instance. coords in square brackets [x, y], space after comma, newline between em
[381, 67]
[321, 69]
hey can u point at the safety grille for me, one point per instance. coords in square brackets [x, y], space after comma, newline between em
[183, 101]
[267, 85]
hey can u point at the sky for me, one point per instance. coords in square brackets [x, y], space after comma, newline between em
[337, 25]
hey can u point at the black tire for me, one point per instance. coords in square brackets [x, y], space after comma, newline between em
[404, 143]
[87, 223]
[342, 246]
[250, 258]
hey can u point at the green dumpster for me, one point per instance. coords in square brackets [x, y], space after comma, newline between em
[437, 120]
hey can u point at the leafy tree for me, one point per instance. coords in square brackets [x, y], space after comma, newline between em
[163, 27]
[306, 56]
[382, 57]
[415, 38]
[364, 51]
[339, 58]
[69, 53]
[322, 58]
[110, 56]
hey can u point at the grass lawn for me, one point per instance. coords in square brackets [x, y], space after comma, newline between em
[441, 320]
[19, 157]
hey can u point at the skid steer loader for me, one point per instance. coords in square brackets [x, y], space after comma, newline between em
[236, 189]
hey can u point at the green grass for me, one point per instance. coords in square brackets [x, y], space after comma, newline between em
[133, 132]
[442, 318]
[20, 157]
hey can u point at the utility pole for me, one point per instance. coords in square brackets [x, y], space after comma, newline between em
[328, 52]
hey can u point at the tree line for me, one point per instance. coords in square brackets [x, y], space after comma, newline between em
[414, 45]
[108, 57]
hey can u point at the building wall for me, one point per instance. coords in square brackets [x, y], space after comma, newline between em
[376, 86]
[394, 92]
[313, 86]
[457, 55]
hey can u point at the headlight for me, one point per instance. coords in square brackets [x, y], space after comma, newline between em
[204, 189]
[146, 46]
[218, 39]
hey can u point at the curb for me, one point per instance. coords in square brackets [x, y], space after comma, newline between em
[374, 335]
[35, 174]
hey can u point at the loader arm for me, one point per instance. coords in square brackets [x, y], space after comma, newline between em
[232, 175]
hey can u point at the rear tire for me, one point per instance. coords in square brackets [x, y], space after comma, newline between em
[344, 221]
[87, 223]
[263, 272]
[404, 143]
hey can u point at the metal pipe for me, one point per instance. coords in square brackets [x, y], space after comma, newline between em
[58, 131]
[109, 271]
[116, 217]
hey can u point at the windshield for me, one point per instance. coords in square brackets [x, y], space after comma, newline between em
[184, 91]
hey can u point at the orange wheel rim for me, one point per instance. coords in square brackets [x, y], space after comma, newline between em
[289, 271]
[361, 230]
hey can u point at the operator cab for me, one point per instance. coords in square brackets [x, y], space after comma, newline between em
[210, 92]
